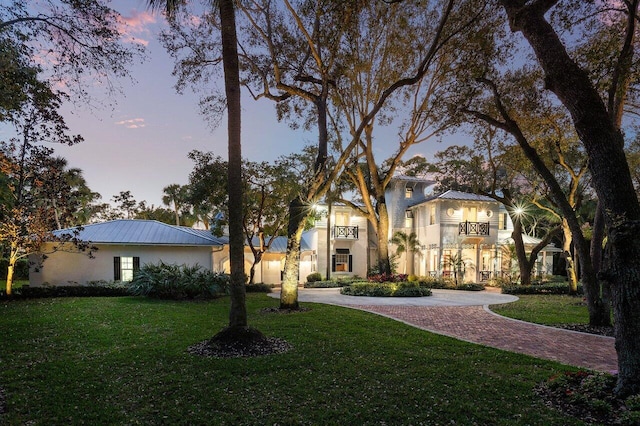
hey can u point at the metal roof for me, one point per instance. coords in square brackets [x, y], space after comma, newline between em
[279, 244]
[416, 179]
[456, 195]
[464, 196]
[142, 232]
[528, 240]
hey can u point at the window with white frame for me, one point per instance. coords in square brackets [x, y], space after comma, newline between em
[408, 192]
[124, 267]
[342, 261]
[502, 221]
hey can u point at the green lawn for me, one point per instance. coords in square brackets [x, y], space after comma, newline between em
[546, 309]
[124, 361]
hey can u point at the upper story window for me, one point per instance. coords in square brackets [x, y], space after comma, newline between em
[432, 215]
[470, 214]
[342, 219]
[408, 192]
[408, 218]
[502, 221]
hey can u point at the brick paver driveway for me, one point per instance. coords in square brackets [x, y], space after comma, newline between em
[466, 316]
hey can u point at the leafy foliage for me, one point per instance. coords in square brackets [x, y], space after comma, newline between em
[550, 288]
[388, 278]
[385, 289]
[165, 281]
[21, 271]
[75, 42]
[313, 277]
[589, 396]
[102, 290]
[258, 288]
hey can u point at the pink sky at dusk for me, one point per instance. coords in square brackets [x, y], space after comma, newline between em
[141, 144]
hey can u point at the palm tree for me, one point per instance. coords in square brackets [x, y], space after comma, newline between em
[174, 194]
[406, 243]
[237, 329]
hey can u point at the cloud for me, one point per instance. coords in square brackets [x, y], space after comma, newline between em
[134, 123]
[136, 25]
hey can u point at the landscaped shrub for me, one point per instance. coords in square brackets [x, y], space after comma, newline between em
[552, 288]
[325, 284]
[400, 289]
[388, 278]
[258, 288]
[177, 282]
[501, 282]
[436, 282]
[20, 272]
[443, 283]
[316, 276]
[470, 287]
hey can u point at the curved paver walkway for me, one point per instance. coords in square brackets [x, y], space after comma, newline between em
[466, 316]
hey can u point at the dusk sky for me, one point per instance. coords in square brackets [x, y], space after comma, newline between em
[141, 144]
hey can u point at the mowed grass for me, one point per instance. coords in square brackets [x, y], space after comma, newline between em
[103, 361]
[546, 309]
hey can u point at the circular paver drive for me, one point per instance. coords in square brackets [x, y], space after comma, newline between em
[465, 315]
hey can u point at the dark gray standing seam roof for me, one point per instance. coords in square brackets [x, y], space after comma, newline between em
[456, 195]
[279, 244]
[142, 232]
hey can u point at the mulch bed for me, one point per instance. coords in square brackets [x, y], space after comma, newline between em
[266, 346]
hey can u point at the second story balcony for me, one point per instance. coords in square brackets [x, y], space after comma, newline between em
[345, 232]
[473, 228]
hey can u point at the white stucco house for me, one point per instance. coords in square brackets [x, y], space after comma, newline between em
[457, 226]
[449, 226]
[454, 224]
[125, 245]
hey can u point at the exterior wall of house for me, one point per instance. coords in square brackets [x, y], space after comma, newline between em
[348, 238]
[73, 268]
[269, 270]
[447, 228]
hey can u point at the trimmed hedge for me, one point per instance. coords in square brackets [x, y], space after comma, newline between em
[111, 290]
[258, 288]
[399, 289]
[448, 284]
[551, 288]
[325, 284]
[470, 287]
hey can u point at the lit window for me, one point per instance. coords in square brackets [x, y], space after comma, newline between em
[408, 192]
[124, 267]
[502, 221]
[432, 215]
[342, 261]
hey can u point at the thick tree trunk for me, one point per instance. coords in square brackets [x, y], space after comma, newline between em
[384, 265]
[13, 259]
[596, 254]
[572, 274]
[238, 311]
[289, 287]
[523, 262]
[612, 181]
[623, 271]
